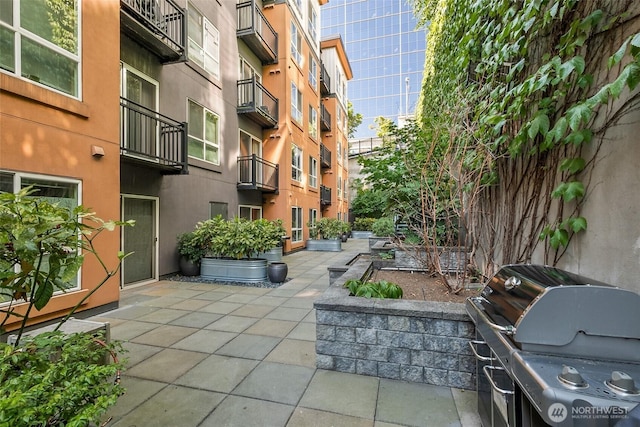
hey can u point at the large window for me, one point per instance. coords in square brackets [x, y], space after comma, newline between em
[313, 72]
[313, 172]
[204, 42]
[296, 163]
[296, 224]
[203, 134]
[313, 22]
[339, 187]
[296, 44]
[296, 103]
[40, 41]
[251, 213]
[339, 152]
[313, 122]
[218, 208]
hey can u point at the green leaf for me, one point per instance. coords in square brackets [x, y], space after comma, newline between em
[578, 114]
[617, 57]
[577, 224]
[578, 63]
[560, 237]
[635, 40]
[43, 294]
[572, 165]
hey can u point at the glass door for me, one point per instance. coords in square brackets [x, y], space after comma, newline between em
[141, 240]
[141, 135]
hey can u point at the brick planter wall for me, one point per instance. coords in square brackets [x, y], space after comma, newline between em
[417, 341]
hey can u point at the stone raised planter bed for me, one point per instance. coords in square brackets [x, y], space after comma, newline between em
[417, 341]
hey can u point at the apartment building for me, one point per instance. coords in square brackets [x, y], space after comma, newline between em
[59, 120]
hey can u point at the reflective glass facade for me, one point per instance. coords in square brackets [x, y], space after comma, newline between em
[384, 47]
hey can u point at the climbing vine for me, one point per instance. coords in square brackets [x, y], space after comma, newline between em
[544, 80]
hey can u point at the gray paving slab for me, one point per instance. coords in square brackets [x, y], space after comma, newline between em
[238, 411]
[288, 313]
[304, 331]
[166, 365]
[130, 329]
[164, 335]
[137, 392]
[196, 319]
[231, 323]
[249, 346]
[218, 373]
[276, 382]
[205, 341]
[271, 327]
[294, 352]
[253, 310]
[305, 417]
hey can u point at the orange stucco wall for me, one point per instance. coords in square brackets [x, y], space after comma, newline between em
[44, 132]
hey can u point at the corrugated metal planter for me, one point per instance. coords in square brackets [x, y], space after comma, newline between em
[356, 234]
[329, 245]
[250, 270]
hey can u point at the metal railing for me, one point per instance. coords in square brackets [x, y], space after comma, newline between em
[152, 137]
[256, 173]
[325, 118]
[163, 17]
[325, 157]
[325, 81]
[253, 97]
[325, 195]
[252, 21]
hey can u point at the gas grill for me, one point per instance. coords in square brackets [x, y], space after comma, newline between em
[556, 348]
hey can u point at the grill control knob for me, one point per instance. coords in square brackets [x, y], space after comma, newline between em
[621, 382]
[570, 377]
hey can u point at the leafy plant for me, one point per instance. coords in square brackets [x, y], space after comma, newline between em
[56, 379]
[368, 289]
[327, 228]
[363, 224]
[384, 227]
[386, 255]
[190, 248]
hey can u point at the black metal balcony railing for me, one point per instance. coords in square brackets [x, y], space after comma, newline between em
[257, 103]
[325, 118]
[325, 157]
[159, 25]
[255, 173]
[325, 196]
[325, 81]
[151, 138]
[256, 32]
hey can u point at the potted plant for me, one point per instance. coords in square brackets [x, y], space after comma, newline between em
[230, 245]
[362, 228]
[50, 378]
[325, 235]
[346, 229]
[191, 252]
[272, 232]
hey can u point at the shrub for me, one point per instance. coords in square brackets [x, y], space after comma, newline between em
[327, 228]
[363, 224]
[383, 227]
[190, 248]
[367, 289]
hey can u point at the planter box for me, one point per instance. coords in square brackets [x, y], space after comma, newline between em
[361, 234]
[327, 245]
[452, 259]
[249, 270]
[373, 241]
[273, 255]
[416, 341]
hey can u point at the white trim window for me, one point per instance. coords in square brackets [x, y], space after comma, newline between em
[338, 152]
[296, 103]
[296, 224]
[204, 133]
[313, 22]
[296, 163]
[313, 72]
[313, 122]
[296, 44]
[313, 172]
[251, 213]
[339, 186]
[204, 42]
[40, 41]
[313, 217]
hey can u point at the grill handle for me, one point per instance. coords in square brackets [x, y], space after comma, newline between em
[486, 369]
[507, 330]
[473, 344]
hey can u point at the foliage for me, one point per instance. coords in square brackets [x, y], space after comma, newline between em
[367, 289]
[42, 246]
[57, 379]
[190, 248]
[238, 238]
[387, 255]
[363, 224]
[384, 227]
[353, 120]
[327, 228]
[369, 203]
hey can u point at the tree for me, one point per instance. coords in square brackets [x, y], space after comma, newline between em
[353, 119]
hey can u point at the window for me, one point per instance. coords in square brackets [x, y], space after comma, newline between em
[40, 42]
[313, 22]
[251, 213]
[218, 208]
[63, 192]
[204, 42]
[338, 152]
[339, 186]
[296, 163]
[296, 103]
[203, 134]
[296, 224]
[313, 216]
[313, 72]
[313, 122]
[313, 172]
[296, 44]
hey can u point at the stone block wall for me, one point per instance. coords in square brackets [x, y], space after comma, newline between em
[417, 341]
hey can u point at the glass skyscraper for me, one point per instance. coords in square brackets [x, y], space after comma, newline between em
[386, 51]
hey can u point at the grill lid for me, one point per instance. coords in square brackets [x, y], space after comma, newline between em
[572, 314]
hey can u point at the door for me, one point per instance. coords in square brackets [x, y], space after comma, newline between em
[141, 121]
[140, 240]
[249, 146]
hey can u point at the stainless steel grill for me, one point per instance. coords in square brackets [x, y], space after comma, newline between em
[555, 348]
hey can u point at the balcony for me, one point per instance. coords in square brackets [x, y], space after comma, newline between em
[325, 196]
[147, 137]
[325, 157]
[158, 25]
[257, 33]
[255, 173]
[325, 81]
[257, 103]
[325, 119]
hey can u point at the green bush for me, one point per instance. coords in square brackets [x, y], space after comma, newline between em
[380, 289]
[383, 227]
[363, 224]
[190, 248]
[327, 228]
